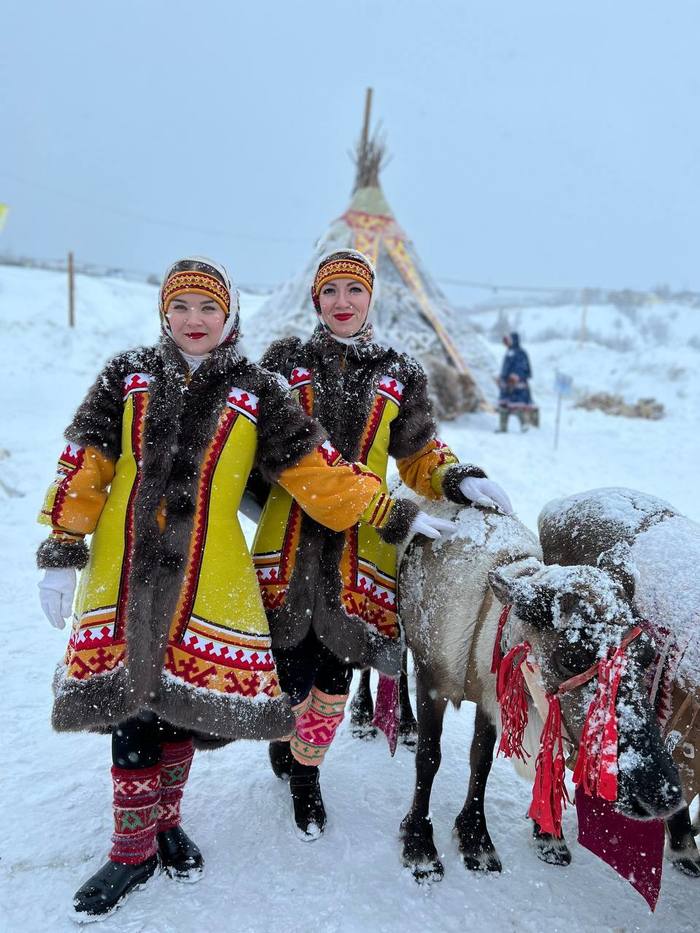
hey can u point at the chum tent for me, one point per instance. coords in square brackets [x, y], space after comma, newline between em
[410, 313]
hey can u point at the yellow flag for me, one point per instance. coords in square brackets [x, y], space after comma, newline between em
[4, 208]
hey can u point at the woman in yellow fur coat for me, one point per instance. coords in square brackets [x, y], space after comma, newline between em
[170, 647]
[330, 595]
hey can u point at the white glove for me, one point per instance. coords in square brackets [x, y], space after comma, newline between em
[486, 493]
[56, 589]
[431, 527]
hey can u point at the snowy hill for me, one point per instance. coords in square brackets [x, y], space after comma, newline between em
[259, 877]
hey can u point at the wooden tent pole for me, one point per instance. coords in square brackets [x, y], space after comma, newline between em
[365, 125]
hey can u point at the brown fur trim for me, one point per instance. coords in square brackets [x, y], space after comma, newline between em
[454, 476]
[415, 425]
[345, 384]
[401, 518]
[226, 715]
[98, 420]
[349, 638]
[279, 354]
[285, 432]
[55, 553]
[103, 701]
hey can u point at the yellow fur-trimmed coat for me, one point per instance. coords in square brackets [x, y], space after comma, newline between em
[168, 614]
[373, 403]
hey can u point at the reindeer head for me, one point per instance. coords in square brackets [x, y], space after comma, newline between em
[573, 617]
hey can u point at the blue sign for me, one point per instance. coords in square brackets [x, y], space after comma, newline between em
[563, 384]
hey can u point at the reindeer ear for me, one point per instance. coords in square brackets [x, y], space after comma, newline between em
[504, 579]
[617, 562]
[532, 600]
[501, 586]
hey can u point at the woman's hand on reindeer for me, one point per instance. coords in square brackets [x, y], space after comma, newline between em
[56, 589]
[486, 493]
[430, 526]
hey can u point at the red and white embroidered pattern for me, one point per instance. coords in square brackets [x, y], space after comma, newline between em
[92, 636]
[299, 377]
[70, 459]
[243, 402]
[391, 388]
[379, 588]
[329, 453]
[270, 573]
[198, 641]
[135, 382]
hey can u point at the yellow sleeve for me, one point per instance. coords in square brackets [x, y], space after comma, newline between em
[336, 493]
[76, 497]
[424, 471]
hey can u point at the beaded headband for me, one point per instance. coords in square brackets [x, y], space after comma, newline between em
[348, 268]
[199, 282]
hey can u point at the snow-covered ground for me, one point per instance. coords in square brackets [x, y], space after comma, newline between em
[259, 877]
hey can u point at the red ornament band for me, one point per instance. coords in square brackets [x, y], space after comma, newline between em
[341, 269]
[200, 282]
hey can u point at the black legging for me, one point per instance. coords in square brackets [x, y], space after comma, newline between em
[310, 664]
[136, 743]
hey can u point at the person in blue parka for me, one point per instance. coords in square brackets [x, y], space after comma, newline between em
[514, 392]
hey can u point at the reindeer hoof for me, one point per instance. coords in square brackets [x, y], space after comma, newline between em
[419, 852]
[477, 851]
[482, 861]
[549, 849]
[689, 866]
[408, 735]
[364, 731]
[427, 872]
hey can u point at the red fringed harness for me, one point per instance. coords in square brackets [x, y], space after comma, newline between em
[596, 764]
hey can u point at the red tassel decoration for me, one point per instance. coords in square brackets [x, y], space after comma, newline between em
[497, 655]
[549, 796]
[596, 766]
[512, 697]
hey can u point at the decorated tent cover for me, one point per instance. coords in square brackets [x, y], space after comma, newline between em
[411, 313]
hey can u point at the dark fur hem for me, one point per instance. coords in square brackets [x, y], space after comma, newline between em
[53, 553]
[104, 700]
[347, 637]
[401, 518]
[385, 654]
[454, 476]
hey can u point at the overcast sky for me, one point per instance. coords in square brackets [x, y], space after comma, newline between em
[533, 141]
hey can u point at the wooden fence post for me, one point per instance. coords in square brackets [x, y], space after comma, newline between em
[71, 291]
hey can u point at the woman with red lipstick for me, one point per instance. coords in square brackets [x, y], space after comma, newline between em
[170, 648]
[331, 596]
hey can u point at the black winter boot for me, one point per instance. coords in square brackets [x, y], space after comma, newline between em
[502, 422]
[309, 812]
[109, 887]
[280, 759]
[179, 856]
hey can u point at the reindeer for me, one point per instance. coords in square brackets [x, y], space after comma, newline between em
[568, 615]
[657, 553]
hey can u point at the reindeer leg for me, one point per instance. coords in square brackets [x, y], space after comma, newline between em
[419, 852]
[478, 851]
[408, 727]
[683, 851]
[362, 709]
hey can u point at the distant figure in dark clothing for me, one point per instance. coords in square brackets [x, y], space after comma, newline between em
[514, 392]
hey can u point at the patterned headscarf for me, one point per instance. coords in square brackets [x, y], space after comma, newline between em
[346, 264]
[205, 277]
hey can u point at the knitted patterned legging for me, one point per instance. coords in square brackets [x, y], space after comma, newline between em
[318, 685]
[151, 763]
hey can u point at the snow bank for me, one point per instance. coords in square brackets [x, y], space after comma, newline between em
[259, 877]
